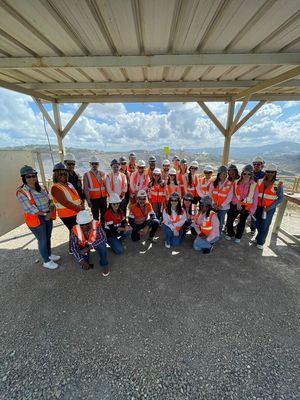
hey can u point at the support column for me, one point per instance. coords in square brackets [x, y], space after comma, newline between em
[59, 134]
[227, 135]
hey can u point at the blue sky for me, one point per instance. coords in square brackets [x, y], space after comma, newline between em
[145, 125]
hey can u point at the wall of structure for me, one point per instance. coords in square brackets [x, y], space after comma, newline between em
[11, 214]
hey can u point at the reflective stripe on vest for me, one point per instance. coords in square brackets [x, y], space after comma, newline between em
[206, 227]
[204, 185]
[32, 220]
[157, 194]
[135, 179]
[175, 220]
[267, 196]
[219, 194]
[96, 189]
[78, 232]
[71, 195]
[193, 189]
[248, 201]
[174, 189]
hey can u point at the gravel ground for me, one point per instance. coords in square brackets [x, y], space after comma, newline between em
[166, 324]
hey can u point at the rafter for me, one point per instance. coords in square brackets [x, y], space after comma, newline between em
[212, 117]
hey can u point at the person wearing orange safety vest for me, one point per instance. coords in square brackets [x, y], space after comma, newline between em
[172, 184]
[270, 195]
[173, 221]
[156, 193]
[116, 182]
[88, 234]
[152, 163]
[38, 213]
[221, 192]
[192, 181]
[94, 183]
[175, 161]
[132, 166]
[243, 204]
[182, 176]
[206, 225]
[205, 182]
[139, 180]
[165, 171]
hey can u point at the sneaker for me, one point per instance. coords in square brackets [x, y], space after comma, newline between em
[227, 237]
[260, 246]
[207, 251]
[238, 241]
[105, 271]
[50, 265]
[167, 245]
[252, 233]
[70, 253]
[54, 258]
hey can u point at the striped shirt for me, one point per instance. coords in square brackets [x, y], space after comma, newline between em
[75, 246]
[41, 200]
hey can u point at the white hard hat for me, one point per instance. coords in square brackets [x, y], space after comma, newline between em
[142, 193]
[84, 217]
[271, 167]
[172, 171]
[157, 171]
[69, 157]
[141, 163]
[258, 159]
[166, 162]
[94, 159]
[194, 164]
[114, 198]
[208, 168]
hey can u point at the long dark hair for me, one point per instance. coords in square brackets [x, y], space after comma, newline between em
[208, 211]
[274, 178]
[237, 175]
[178, 207]
[190, 179]
[118, 210]
[217, 180]
[190, 207]
[37, 185]
[159, 181]
[175, 180]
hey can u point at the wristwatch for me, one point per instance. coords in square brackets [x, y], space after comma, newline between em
[44, 214]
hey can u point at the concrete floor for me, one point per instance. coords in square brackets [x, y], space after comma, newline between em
[164, 325]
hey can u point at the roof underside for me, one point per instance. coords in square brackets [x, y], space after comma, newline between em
[151, 50]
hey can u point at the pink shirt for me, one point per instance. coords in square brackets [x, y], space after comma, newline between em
[244, 189]
[214, 222]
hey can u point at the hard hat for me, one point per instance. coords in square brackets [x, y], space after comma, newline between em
[114, 198]
[271, 167]
[258, 159]
[94, 159]
[132, 155]
[157, 171]
[166, 162]
[206, 201]
[175, 158]
[221, 169]
[194, 164]
[188, 196]
[141, 193]
[152, 158]
[232, 166]
[248, 168]
[172, 171]
[175, 196]
[141, 164]
[69, 157]
[114, 161]
[208, 168]
[59, 166]
[183, 161]
[123, 159]
[84, 217]
[26, 169]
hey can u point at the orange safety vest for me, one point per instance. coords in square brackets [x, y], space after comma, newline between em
[96, 189]
[32, 220]
[206, 226]
[174, 189]
[193, 188]
[248, 201]
[150, 173]
[112, 183]
[219, 194]
[181, 182]
[78, 232]
[176, 219]
[267, 196]
[135, 178]
[71, 195]
[157, 194]
[205, 185]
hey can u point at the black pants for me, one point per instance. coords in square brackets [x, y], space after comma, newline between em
[123, 205]
[99, 206]
[231, 216]
[152, 223]
[69, 222]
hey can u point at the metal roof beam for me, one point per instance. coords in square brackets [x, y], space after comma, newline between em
[19, 89]
[162, 60]
[147, 85]
[212, 117]
[249, 115]
[75, 117]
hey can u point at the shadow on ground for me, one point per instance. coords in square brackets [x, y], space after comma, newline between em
[163, 325]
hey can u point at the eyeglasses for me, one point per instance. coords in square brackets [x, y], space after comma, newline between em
[30, 176]
[258, 164]
[94, 163]
[247, 173]
[70, 163]
[187, 199]
[123, 162]
[174, 201]
[156, 174]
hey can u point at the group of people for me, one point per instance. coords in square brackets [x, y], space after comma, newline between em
[134, 199]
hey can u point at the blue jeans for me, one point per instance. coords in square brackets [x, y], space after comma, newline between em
[152, 223]
[116, 244]
[200, 243]
[221, 216]
[170, 238]
[263, 225]
[43, 235]
[101, 250]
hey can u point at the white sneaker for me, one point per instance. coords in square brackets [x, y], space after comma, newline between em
[238, 241]
[50, 265]
[54, 258]
[167, 245]
[260, 246]
[227, 237]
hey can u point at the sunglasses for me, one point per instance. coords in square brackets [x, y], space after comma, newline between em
[247, 173]
[156, 174]
[193, 168]
[63, 174]
[94, 163]
[70, 163]
[174, 201]
[123, 162]
[257, 163]
[208, 172]
[114, 204]
[30, 176]
[187, 199]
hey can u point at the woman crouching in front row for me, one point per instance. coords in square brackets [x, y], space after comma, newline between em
[173, 220]
[207, 226]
